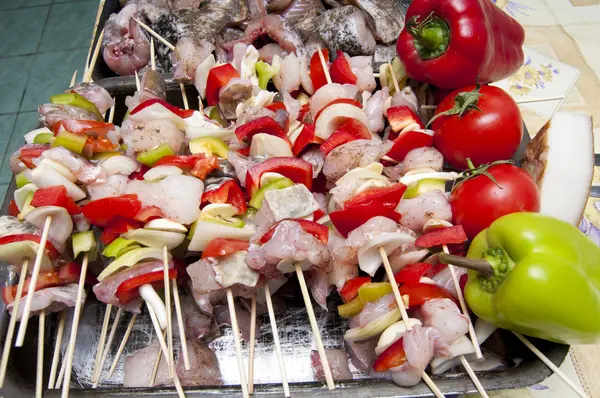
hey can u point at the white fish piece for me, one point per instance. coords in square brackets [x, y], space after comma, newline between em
[178, 196]
[203, 276]
[338, 362]
[444, 278]
[362, 354]
[406, 97]
[50, 299]
[150, 133]
[317, 282]
[348, 250]
[341, 273]
[402, 257]
[425, 157]
[444, 315]
[114, 185]
[369, 256]
[288, 77]
[394, 333]
[362, 68]
[353, 154]
[189, 54]
[373, 310]
[291, 202]
[375, 108]
[248, 63]
[95, 94]
[315, 157]
[232, 269]
[155, 111]
[417, 211]
[119, 165]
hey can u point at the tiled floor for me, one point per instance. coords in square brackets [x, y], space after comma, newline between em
[42, 42]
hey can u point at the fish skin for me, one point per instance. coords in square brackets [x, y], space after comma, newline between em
[346, 29]
[385, 17]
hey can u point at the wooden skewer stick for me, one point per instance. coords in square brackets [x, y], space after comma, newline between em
[156, 35]
[402, 307]
[61, 375]
[73, 79]
[238, 345]
[252, 344]
[324, 65]
[159, 335]
[122, 346]
[152, 59]
[273, 321]
[73, 338]
[111, 115]
[394, 79]
[40, 355]
[184, 97]
[106, 349]
[98, 15]
[429, 107]
[56, 354]
[137, 82]
[88, 75]
[184, 350]
[315, 328]
[170, 361]
[34, 277]
[13, 321]
[473, 376]
[551, 365]
[101, 348]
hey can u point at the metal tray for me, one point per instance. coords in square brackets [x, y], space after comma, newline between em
[295, 334]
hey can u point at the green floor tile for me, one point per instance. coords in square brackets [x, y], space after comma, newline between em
[14, 4]
[7, 123]
[14, 72]
[69, 26]
[51, 74]
[26, 121]
[21, 30]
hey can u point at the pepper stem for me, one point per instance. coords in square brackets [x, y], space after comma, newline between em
[480, 266]
[431, 36]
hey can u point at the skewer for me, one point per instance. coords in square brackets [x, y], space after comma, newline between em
[156, 35]
[324, 65]
[551, 365]
[186, 104]
[184, 350]
[394, 79]
[13, 321]
[98, 15]
[101, 347]
[402, 307]
[61, 375]
[168, 305]
[315, 328]
[238, 345]
[75, 324]
[88, 75]
[159, 335]
[286, 387]
[252, 344]
[40, 355]
[111, 112]
[56, 354]
[122, 346]
[137, 81]
[429, 107]
[73, 79]
[106, 349]
[34, 277]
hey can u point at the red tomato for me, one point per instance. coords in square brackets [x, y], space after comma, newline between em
[116, 227]
[478, 201]
[392, 357]
[228, 192]
[317, 73]
[204, 166]
[412, 273]
[419, 293]
[218, 77]
[101, 211]
[219, 247]
[389, 196]
[341, 72]
[182, 113]
[349, 291]
[53, 254]
[442, 236]
[30, 152]
[55, 196]
[45, 279]
[350, 101]
[264, 124]
[129, 290]
[492, 132]
[148, 213]
[297, 170]
[184, 162]
[305, 138]
[319, 231]
[350, 218]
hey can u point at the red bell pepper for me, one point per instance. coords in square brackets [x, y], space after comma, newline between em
[264, 124]
[392, 357]
[401, 117]
[91, 128]
[318, 214]
[275, 106]
[349, 101]
[148, 213]
[451, 44]
[319, 231]
[129, 290]
[317, 73]
[30, 152]
[442, 236]
[13, 210]
[305, 138]
[139, 175]
[350, 218]
[349, 291]
[51, 251]
[184, 162]
[338, 138]
[389, 196]
[412, 273]
[204, 166]
[116, 227]
[55, 196]
[304, 110]
[182, 113]
[408, 141]
[297, 170]
[218, 77]
[101, 211]
[244, 151]
[341, 71]
[228, 192]
[419, 293]
[219, 247]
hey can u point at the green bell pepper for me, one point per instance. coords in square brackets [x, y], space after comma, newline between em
[77, 100]
[543, 278]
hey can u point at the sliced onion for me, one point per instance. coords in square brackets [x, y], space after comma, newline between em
[64, 171]
[412, 179]
[29, 137]
[131, 258]
[269, 145]
[22, 193]
[393, 333]
[15, 253]
[164, 224]
[334, 115]
[44, 176]
[373, 328]
[151, 298]
[119, 165]
[160, 172]
[369, 258]
[61, 226]
[154, 238]
[206, 231]
[201, 75]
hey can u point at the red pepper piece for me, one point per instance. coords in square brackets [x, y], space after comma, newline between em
[182, 113]
[318, 214]
[317, 73]
[219, 247]
[101, 211]
[349, 130]
[69, 273]
[204, 166]
[442, 236]
[461, 43]
[350, 289]
[401, 117]
[51, 251]
[419, 293]
[116, 227]
[55, 196]
[297, 170]
[408, 141]
[392, 357]
[275, 106]
[129, 290]
[304, 110]
[148, 213]
[228, 192]
[98, 145]
[139, 175]
[244, 151]
[341, 71]
[412, 273]
[389, 196]
[30, 152]
[264, 124]
[350, 218]
[184, 162]
[13, 210]
[91, 128]
[349, 101]
[319, 231]
[218, 77]
[305, 138]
